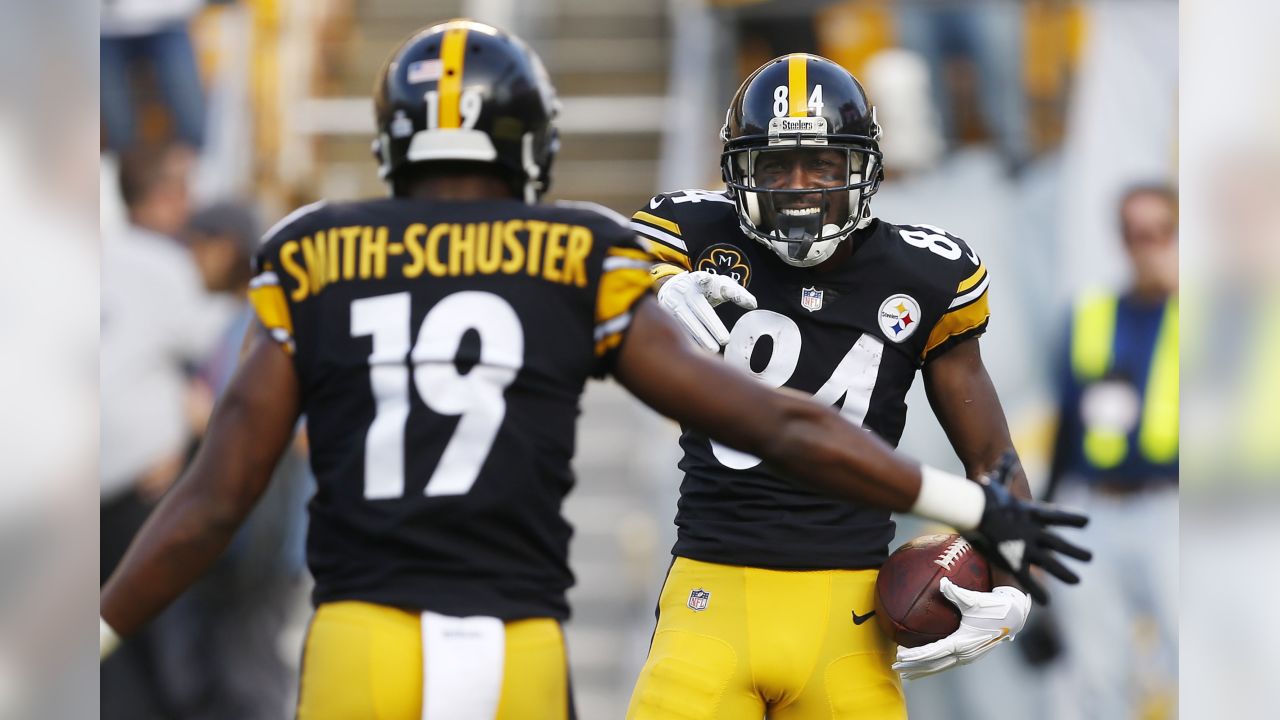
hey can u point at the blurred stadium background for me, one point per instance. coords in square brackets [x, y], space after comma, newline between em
[1013, 124]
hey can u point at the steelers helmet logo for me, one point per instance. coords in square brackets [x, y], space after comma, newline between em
[724, 259]
[899, 316]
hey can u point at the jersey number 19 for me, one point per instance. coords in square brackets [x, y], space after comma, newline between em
[477, 396]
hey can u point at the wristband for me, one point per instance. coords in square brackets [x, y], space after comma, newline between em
[951, 499]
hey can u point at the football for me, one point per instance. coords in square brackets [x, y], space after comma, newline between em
[909, 604]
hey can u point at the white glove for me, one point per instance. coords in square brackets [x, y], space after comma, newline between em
[690, 297]
[986, 620]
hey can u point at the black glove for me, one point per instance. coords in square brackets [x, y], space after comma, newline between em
[1014, 535]
[1040, 640]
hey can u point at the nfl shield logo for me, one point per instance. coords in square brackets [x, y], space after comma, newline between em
[698, 599]
[811, 299]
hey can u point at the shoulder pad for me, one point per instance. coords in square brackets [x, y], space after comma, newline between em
[596, 208]
[286, 224]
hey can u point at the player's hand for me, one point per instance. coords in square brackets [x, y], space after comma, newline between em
[986, 620]
[691, 296]
[1014, 533]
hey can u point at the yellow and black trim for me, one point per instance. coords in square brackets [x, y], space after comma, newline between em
[660, 230]
[268, 300]
[967, 316]
[970, 282]
[624, 281]
[663, 236]
[658, 222]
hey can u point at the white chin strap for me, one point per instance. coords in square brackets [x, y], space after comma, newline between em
[532, 172]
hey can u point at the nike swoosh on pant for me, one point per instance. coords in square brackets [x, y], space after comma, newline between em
[859, 619]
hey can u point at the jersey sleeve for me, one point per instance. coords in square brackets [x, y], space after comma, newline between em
[660, 235]
[624, 281]
[267, 293]
[966, 315]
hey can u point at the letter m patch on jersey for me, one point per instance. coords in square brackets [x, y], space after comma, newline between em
[698, 599]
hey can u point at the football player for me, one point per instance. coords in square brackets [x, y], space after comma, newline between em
[764, 608]
[438, 342]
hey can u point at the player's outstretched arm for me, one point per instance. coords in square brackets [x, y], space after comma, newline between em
[250, 428]
[813, 444]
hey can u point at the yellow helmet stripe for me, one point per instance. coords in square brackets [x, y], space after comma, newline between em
[798, 84]
[451, 55]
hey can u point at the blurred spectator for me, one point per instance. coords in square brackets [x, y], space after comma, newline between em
[974, 53]
[227, 628]
[769, 28]
[150, 35]
[156, 321]
[1231, 462]
[1116, 457]
[899, 81]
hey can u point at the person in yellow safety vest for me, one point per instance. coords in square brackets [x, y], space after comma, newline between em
[1116, 456]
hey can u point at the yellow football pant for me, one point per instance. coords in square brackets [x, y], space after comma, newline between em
[365, 662]
[776, 642]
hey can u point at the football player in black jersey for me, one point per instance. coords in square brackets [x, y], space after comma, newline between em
[437, 342]
[763, 610]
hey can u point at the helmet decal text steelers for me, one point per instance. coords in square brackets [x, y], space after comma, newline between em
[899, 316]
[725, 259]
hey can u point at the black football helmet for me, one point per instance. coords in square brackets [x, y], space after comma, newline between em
[801, 101]
[466, 91]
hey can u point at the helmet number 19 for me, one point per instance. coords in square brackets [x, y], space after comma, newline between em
[470, 103]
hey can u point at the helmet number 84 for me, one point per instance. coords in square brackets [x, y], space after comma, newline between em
[782, 101]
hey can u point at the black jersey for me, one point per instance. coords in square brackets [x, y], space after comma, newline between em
[853, 337]
[441, 349]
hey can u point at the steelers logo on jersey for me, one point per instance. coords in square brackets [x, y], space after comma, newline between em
[725, 259]
[899, 317]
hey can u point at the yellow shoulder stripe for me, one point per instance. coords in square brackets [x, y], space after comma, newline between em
[973, 279]
[656, 221]
[267, 298]
[619, 290]
[669, 255]
[958, 322]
